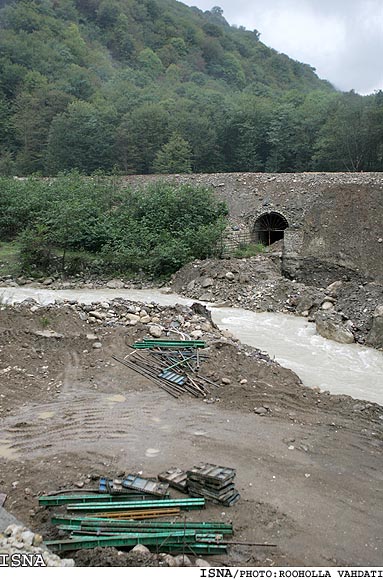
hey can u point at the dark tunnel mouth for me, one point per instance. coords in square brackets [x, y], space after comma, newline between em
[269, 228]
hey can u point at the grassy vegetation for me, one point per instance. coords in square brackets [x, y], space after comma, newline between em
[248, 250]
[9, 258]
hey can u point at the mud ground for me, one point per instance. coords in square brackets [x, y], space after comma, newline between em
[309, 466]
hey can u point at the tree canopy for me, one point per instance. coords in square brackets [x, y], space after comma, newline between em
[120, 84]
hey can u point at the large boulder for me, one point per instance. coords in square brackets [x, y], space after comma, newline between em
[115, 284]
[309, 300]
[334, 288]
[375, 336]
[331, 325]
[207, 282]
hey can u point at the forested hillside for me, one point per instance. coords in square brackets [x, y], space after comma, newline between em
[142, 86]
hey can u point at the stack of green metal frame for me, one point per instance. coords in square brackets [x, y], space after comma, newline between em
[174, 537]
[88, 531]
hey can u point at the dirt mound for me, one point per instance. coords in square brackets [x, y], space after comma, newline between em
[112, 557]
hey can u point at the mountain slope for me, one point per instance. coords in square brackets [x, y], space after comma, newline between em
[97, 84]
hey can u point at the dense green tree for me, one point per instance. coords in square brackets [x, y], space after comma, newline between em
[138, 71]
[150, 63]
[343, 141]
[175, 156]
[33, 114]
[140, 136]
[83, 138]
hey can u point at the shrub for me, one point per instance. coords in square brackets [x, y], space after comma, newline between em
[92, 223]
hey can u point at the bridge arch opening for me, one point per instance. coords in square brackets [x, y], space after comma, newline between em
[269, 228]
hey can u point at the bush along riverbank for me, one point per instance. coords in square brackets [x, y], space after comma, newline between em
[74, 224]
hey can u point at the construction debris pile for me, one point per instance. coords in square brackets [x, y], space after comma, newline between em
[173, 365]
[213, 482]
[119, 514]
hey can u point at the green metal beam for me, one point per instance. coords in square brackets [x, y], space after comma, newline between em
[129, 524]
[186, 504]
[53, 500]
[199, 548]
[151, 343]
[158, 539]
[106, 530]
[75, 523]
[207, 538]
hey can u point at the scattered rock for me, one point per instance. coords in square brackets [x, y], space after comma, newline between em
[227, 334]
[375, 336]
[333, 289]
[98, 315]
[155, 331]
[330, 325]
[169, 560]
[196, 334]
[48, 334]
[133, 318]
[48, 281]
[115, 284]
[206, 297]
[37, 540]
[207, 282]
[17, 538]
[96, 345]
[140, 549]
[359, 407]
[182, 560]
[230, 276]
[260, 411]
[200, 563]
[226, 381]
[27, 538]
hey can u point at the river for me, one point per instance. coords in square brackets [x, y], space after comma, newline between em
[339, 368]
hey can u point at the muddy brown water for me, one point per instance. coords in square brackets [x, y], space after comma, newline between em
[341, 369]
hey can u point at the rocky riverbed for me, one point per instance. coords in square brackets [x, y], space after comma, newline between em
[347, 310]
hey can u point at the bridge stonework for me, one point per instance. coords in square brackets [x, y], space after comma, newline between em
[335, 220]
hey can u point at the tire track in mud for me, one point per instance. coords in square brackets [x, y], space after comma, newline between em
[82, 418]
[77, 417]
[86, 420]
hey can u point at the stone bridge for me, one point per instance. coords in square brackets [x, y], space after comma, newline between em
[331, 223]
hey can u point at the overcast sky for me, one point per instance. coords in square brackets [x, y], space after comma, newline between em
[342, 39]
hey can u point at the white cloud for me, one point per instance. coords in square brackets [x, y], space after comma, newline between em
[342, 39]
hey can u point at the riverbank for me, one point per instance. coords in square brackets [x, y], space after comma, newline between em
[71, 414]
[348, 310]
